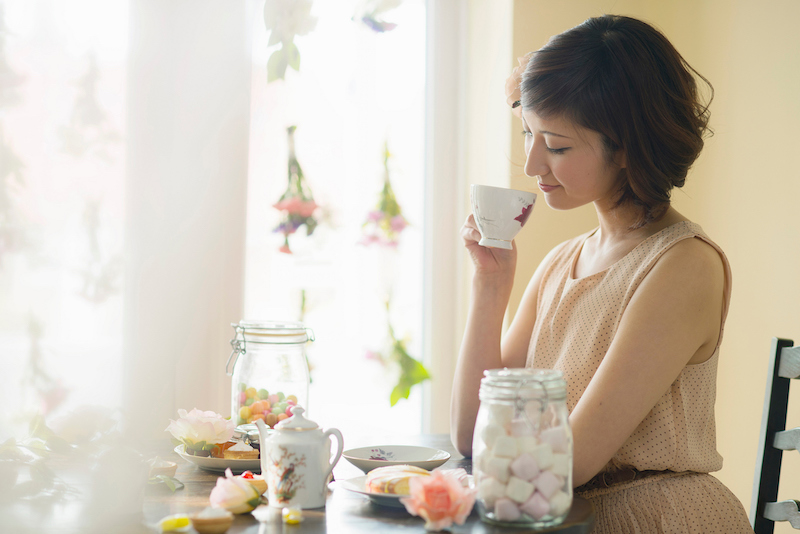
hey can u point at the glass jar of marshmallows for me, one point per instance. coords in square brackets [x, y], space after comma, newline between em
[522, 448]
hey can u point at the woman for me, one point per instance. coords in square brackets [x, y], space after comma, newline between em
[632, 312]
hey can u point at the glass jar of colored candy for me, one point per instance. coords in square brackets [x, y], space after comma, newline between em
[522, 448]
[269, 370]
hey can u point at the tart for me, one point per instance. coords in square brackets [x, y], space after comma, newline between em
[257, 481]
[393, 479]
[212, 521]
[240, 451]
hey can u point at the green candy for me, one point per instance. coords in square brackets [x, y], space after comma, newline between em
[242, 386]
[281, 396]
[277, 410]
[263, 393]
[249, 401]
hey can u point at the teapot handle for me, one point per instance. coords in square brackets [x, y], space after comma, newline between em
[339, 450]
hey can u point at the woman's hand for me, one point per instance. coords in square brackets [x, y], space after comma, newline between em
[489, 262]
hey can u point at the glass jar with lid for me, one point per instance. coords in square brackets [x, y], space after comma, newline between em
[269, 370]
[522, 448]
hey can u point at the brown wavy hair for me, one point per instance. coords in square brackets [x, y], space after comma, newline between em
[622, 78]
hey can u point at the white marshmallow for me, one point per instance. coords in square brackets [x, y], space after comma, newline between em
[490, 434]
[556, 437]
[489, 490]
[518, 490]
[537, 506]
[505, 446]
[548, 484]
[526, 443]
[525, 467]
[543, 454]
[506, 510]
[560, 503]
[498, 468]
[561, 464]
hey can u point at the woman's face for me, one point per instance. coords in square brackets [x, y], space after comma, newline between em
[570, 163]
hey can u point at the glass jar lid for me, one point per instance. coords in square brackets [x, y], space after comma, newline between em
[279, 332]
[524, 384]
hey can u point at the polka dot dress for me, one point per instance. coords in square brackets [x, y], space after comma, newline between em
[576, 322]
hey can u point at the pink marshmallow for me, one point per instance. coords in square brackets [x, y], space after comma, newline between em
[506, 510]
[520, 427]
[556, 437]
[537, 506]
[547, 484]
[525, 467]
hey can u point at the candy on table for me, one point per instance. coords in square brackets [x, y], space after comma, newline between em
[489, 490]
[505, 446]
[490, 434]
[537, 506]
[556, 437]
[548, 484]
[560, 503]
[497, 467]
[525, 467]
[560, 465]
[543, 454]
[527, 443]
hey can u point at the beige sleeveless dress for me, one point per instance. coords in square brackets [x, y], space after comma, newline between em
[576, 322]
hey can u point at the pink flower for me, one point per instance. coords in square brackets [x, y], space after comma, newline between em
[374, 216]
[398, 223]
[234, 494]
[440, 499]
[306, 208]
[285, 249]
[512, 86]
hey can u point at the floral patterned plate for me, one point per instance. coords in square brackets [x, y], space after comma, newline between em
[218, 465]
[368, 458]
[359, 485]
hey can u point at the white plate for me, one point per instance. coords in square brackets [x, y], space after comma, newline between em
[219, 465]
[359, 485]
[368, 458]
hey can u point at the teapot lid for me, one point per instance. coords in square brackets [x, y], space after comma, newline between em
[297, 421]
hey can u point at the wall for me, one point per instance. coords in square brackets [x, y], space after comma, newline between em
[743, 190]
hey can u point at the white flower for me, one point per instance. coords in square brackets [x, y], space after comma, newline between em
[287, 18]
[198, 429]
[234, 494]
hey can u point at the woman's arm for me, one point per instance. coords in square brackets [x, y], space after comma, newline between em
[672, 320]
[481, 345]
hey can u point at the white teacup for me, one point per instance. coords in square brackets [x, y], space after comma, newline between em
[500, 213]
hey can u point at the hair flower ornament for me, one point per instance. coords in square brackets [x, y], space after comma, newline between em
[513, 95]
[440, 499]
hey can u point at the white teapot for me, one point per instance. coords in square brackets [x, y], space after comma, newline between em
[296, 461]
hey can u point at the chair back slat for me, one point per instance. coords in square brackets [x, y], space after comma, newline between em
[783, 511]
[787, 440]
[773, 420]
[790, 362]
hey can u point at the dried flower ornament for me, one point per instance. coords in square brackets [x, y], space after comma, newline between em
[386, 222]
[297, 202]
[285, 19]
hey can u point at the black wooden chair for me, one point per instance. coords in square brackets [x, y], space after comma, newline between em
[784, 365]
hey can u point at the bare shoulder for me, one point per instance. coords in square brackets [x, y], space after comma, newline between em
[693, 258]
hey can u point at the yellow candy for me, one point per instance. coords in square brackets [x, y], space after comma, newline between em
[250, 392]
[173, 522]
[292, 516]
[244, 412]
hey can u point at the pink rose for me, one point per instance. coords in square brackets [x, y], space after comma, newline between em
[234, 494]
[398, 223]
[512, 86]
[440, 499]
[306, 209]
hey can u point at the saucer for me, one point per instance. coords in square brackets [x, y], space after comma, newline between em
[368, 458]
[218, 465]
[359, 485]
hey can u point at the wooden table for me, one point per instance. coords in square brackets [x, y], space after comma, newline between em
[345, 512]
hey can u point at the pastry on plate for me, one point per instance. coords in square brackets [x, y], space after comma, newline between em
[393, 479]
[219, 450]
[257, 481]
[240, 451]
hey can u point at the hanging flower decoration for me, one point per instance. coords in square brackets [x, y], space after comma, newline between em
[286, 19]
[385, 223]
[410, 371]
[297, 203]
[370, 12]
